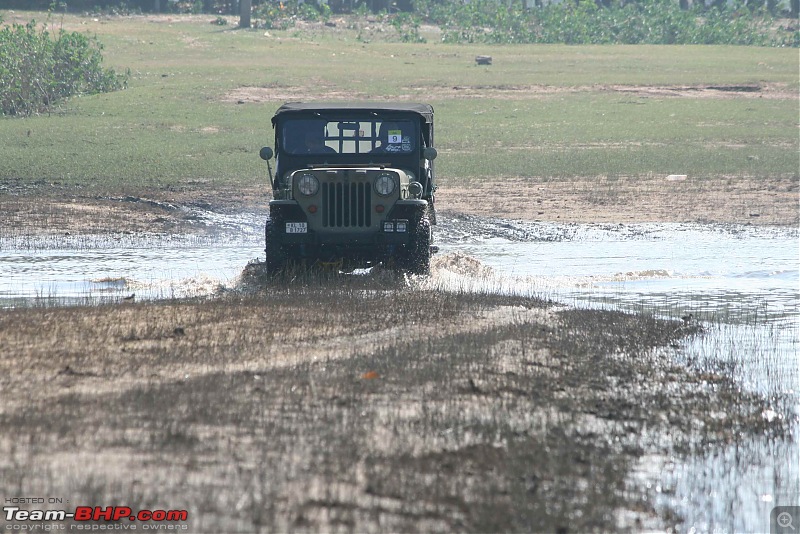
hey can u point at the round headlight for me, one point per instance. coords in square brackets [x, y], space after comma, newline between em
[308, 184]
[415, 189]
[385, 184]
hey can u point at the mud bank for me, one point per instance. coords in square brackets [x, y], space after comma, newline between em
[47, 209]
[326, 408]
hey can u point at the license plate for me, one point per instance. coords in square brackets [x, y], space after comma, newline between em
[296, 228]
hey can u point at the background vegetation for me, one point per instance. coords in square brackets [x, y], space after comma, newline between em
[587, 21]
[39, 69]
[200, 97]
[747, 22]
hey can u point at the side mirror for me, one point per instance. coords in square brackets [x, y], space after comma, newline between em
[266, 153]
[429, 153]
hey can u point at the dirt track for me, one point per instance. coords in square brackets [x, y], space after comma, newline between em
[278, 93]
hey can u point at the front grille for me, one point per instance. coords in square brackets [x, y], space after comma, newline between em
[346, 204]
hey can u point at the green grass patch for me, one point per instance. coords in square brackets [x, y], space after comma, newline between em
[539, 110]
[591, 134]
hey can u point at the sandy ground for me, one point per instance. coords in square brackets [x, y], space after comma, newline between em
[62, 212]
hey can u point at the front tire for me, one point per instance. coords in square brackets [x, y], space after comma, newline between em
[417, 258]
[275, 256]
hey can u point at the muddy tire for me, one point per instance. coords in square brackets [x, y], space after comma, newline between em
[275, 256]
[417, 258]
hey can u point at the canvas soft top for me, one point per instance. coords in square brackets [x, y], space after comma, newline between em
[424, 110]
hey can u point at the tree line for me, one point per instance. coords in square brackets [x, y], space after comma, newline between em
[788, 8]
[738, 22]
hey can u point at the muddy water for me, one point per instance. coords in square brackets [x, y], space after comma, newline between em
[130, 270]
[93, 269]
[742, 282]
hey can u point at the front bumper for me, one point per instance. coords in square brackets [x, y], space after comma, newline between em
[347, 240]
[299, 238]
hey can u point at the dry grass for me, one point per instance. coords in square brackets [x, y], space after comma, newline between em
[331, 406]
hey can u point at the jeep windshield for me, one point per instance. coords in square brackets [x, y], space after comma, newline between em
[349, 136]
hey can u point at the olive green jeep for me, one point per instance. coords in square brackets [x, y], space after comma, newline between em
[353, 186]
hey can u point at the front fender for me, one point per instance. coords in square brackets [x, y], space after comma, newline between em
[412, 210]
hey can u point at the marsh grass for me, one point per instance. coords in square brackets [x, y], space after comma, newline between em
[335, 407]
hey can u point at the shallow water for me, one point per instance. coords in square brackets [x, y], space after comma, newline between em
[733, 273]
[180, 270]
[742, 282]
[94, 269]
[745, 280]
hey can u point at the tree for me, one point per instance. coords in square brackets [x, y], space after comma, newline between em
[245, 7]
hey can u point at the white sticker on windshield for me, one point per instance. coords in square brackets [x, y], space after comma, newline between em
[395, 137]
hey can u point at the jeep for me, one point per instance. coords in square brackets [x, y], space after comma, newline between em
[353, 186]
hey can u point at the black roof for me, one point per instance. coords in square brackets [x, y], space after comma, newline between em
[425, 110]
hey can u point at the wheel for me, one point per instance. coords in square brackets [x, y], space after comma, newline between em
[275, 256]
[416, 259]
